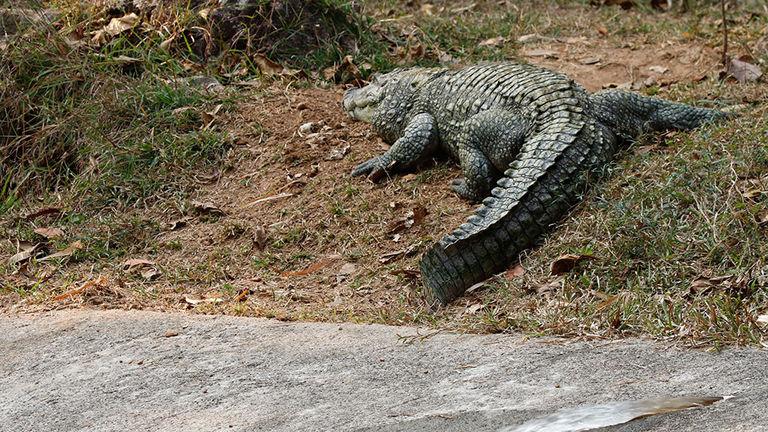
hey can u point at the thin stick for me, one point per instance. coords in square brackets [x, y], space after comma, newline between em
[269, 198]
[725, 34]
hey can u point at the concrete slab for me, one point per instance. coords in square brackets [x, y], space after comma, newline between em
[114, 371]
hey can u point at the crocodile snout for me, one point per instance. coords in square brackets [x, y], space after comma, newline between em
[360, 103]
[348, 101]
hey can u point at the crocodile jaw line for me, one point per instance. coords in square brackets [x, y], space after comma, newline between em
[360, 104]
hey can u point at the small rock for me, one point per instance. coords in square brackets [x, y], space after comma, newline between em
[650, 82]
[590, 60]
[306, 128]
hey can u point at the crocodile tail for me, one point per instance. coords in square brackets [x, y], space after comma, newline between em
[535, 192]
[630, 114]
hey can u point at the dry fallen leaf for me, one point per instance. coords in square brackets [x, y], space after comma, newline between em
[43, 212]
[115, 27]
[622, 86]
[743, 71]
[100, 281]
[178, 224]
[662, 5]
[166, 44]
[307, 128]
[476, 287]
[514, 272]
[528, 38]
[147, 269]
[133, 263]
[125, 60]
[493, 42]
[473, 309]
[347, 269]
[119, 25]
[267, 66]
[419, 213]
[427, 9]
[753, 194]
[705, 284]
[345, 72]
[549, 287]
[150, 273]
[208, 117]
[542, 53]
[446, 58]
[312, 268]
[207, 208]
[566, 263]
[68, 251]
[194, 300]
[413, 217]
[338, 153]
[25, 252]
[270, 68]
[410, 274]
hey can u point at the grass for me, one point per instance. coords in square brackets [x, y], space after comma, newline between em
[96, 131]
[97, 120]
[117, 138]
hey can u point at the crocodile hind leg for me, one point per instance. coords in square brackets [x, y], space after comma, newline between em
[419, 140]
[491, 140]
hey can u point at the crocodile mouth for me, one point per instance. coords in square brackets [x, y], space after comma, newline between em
[360, 103]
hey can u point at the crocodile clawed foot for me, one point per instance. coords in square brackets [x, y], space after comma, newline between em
[375, 169]
[459, 186]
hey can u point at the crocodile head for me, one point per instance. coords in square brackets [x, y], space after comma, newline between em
[361, 103]
[387, 101]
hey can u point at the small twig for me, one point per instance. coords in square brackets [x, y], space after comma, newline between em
[289, 184]
[725, 34]
[269, 198]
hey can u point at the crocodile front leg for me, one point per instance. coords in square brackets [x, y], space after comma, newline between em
[491, 140]
[418, 141]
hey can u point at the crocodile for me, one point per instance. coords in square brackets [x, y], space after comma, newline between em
[528, 141]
